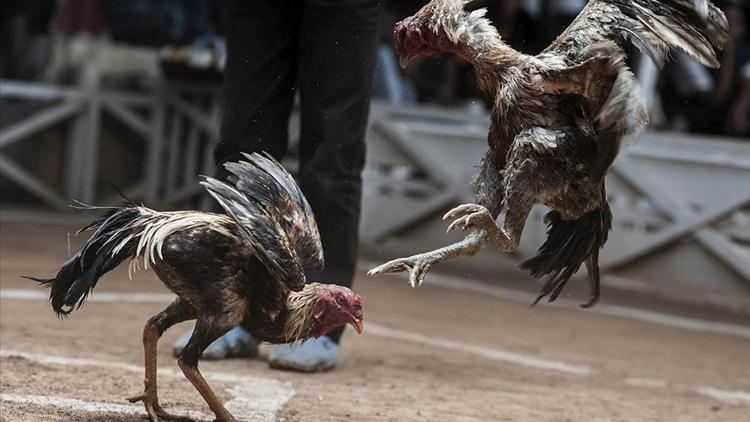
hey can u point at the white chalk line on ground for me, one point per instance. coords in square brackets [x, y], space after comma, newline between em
[692, 324]
[88, 406]
[736, 398]
[73, 404]
[485, 352]
[728, 397]
[253, 398]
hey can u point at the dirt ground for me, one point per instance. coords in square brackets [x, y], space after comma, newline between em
[432, 354]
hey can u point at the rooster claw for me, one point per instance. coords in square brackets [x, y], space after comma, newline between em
[462, 210]
[394, 266]
[462, 222]
[416, 265]
[155, 411]
[471, 216]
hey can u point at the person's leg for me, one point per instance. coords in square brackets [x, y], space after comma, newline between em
[259, 77]
[259, 85]
[338, 41]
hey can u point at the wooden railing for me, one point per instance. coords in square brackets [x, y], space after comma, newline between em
[681, 203]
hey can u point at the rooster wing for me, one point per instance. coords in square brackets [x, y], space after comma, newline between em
[273, 215]
[696, 27]
[588, 59]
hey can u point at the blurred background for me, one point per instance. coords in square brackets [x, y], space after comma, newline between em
[98, 96]
[102, 93]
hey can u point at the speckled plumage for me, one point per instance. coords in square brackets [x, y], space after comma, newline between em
[273, 216]
[558, 120]
[245, 268]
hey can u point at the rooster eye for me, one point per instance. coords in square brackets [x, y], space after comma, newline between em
[340, 300]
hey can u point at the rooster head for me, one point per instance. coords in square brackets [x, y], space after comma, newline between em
[332, 306]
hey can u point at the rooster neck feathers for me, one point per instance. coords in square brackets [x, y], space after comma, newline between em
[471, 35]
[151, 230]
[300, 320]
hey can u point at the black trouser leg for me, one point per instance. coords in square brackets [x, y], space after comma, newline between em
[259, 79]
[337, 49]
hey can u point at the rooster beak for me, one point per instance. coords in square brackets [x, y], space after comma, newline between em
[404, 61]
[358, 325]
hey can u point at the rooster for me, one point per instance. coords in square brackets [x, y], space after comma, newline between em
[558, 120]
[240, 268]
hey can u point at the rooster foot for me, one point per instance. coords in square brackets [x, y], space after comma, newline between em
[470, 215]
[155, 411]
[416, 265]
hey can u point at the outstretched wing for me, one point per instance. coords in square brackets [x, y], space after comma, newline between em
[696, 27]
[588, 59]
[273, 215]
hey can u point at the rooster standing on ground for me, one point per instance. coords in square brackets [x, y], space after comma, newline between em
[242, 268]
[558, 120]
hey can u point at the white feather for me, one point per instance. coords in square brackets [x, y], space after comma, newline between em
[152, 228]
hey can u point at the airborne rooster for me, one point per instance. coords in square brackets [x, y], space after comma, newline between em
[558, 120]
[242, 268]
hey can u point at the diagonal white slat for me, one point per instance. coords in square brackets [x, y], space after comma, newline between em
[38, 121]
[684, 222]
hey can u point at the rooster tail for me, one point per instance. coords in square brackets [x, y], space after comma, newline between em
[111, 243]
[569, 244]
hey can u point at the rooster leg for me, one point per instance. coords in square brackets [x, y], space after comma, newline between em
[207, 329]
[506, 238]
[176, 312]
[419, 265]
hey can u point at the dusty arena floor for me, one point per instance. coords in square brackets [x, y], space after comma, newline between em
[433, 354]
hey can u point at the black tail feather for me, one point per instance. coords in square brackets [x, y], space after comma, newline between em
[79, 274]
[569, 243]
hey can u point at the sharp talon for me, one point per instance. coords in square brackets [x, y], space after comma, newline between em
[590, 303]
[459, 210]
[142, 397]
[378, 270]
[454, 225]
[154, 410]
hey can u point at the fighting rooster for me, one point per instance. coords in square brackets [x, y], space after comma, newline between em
[245, 268]
[558, 120]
